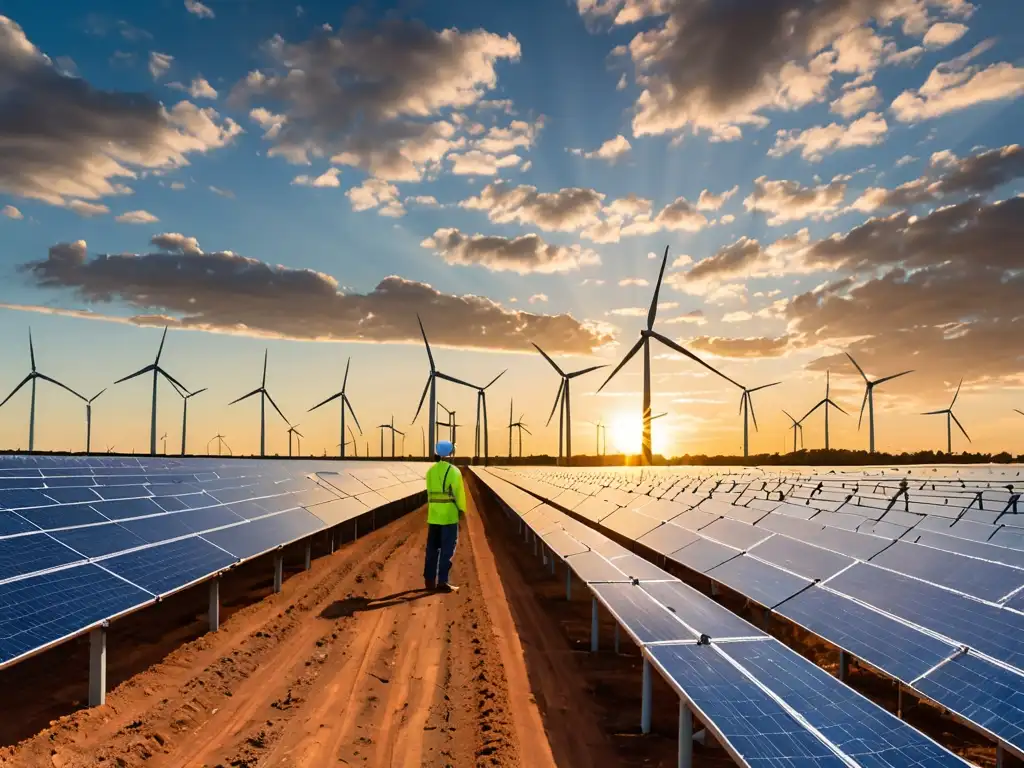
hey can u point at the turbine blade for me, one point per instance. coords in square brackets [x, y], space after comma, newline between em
[558, 399]
[453, 380]
[890, 378]
[961, 426]
[325, 402]
[659, 416]
[430, 355]
[44, 377]
[1018, 410]
[671, 344]
[400, 432]
[275, 407]
[243, 397]
[553, 363]
[496, 378]
[861, 370]
[863, 403]
[422, 398]
[828, 382]
[795, 422]
[24, 381]
[525, 430]
[198, 392]
[753, 416]
[833, 404]
[351, 410]
[31, 350]
[935, 413]
[96, 396]
[821, 403]
[626, 359]
[171, 379]
[263, 385]
[765, 386]
[743, 397]
[574, 374]
[160, 349]
[657, 290]
[956, 394]
[139, 372]
[344, 381]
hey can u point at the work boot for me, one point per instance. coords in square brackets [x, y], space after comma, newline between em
[429, 585]
[446, 587]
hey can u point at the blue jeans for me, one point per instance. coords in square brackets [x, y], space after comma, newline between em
[441, 543]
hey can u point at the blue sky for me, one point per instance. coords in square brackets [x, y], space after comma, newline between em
[532, 155]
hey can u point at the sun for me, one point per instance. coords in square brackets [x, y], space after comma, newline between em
[625, 433]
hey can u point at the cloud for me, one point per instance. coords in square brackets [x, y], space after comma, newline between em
[634, 281]
[819, 140]
[85, 209]
[943, 33]
[196, 8]
[222, 192]
[199, 89]
[946, 92]
[538, 298]
[695, 317]
[787, 201]
[736, 317]
[611, 150]
[709, 201]
[427, 201]
[718, 66]
[855, 101]
[175, 242]
[159, 63]
[524, 254]
[622, 11]
[328, 178]
[905, 160]
[136, 217]
[61, 139]
[376, 193]
[11, 212]
[566, 210]
[477, 163]
[518, 135]
[679, 215]
[718, 346]
[373, 96]
[228, 293]
[177, 186]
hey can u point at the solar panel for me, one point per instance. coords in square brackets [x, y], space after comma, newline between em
[989, 581]
[11, 523]
[805, 559]
[99, 540]
[168, 567]
[563, 544]
[704, 615]
[591, 567]
[250, 539]
[703, 555]
[668, 538]
[734, 533]
[759, 581]
[641, 616]
[31, 553]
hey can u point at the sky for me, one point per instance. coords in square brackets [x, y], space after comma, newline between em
[829, 176]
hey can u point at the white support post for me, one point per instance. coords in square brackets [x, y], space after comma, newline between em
[616, 638]
[899, 702]
[213, 613]
[714, 589]
[331, 542]
[685, 736]
[309, 554]
[844, 665]
[593, 625]
[98, 666]
[568, 583]
[646, 700]
[278, 573]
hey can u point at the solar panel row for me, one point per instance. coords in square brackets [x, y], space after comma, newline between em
[84, 540]
[767, 705]
[905, 608]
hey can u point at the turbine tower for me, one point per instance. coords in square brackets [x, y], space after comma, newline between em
[431, 387]
[88, 420]
[450, 424]
[869, 399]
[32, 377]
[294, 430]
[157, 372]
[827, 401]
[221, 444]
[185, 397]
[394, 432]
[344, 404]
[602, 431]
[747, 409]
[521, 426]
[950, 418]
[644, 342]
[481, 426]
[264, 397]
[163, 438]
[562, 398]
[797, 426]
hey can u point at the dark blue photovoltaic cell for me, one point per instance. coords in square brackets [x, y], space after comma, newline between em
[124, 508]
[167, 567]
[250, 509]
[122, 491]
[851, 543]
[1016, 602]
[893, 647]
[158, 528]
[805, 559]
[756, 726]
[562, 544]
[32, 552]
[71, 495]
[981, 692]
[245, 541]
[638, 612]
[270, 504]
[994, 631]
[591, 567]
[698, 611]
[42, 609]
[997, 554]
[759, 581]
[12, 523]
[635, 567]
[99, 540]
[64, 516]
[734, 533]
[171, 503]
[861, 729]
[704, 555]
[20, 499]
[210, 517]
[668, 538]
[989, 581]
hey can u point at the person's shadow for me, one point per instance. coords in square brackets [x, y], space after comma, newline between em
[350, 606]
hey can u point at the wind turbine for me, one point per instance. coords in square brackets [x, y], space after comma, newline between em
[344, 404]
[164, 439]
[481, 426]
[185, 397]
[32, 376]
[950, 418]
[600, 428]
[294, 430]
[747, 407]
[394, 432]
[827, 401]
[157, 372]
[797, 426]
[431, 386]
[644, 342]
[562, 397]
[450, 423]
[221, 444]
[264, 397]
[88, 420]
[869, 399]
[522, 428]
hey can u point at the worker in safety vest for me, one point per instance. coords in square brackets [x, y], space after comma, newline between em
[446, 502]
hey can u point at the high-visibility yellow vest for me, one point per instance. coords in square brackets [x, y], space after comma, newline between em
[446, 496]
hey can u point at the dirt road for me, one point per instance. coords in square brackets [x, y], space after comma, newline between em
[352, 664]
